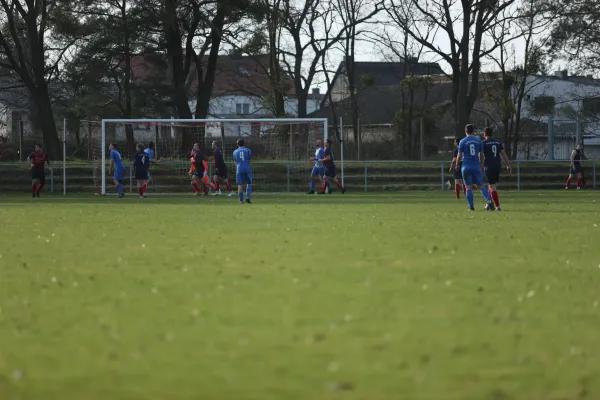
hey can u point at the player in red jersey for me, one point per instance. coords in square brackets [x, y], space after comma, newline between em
[199, 171]
[455, 169]
[38, 174]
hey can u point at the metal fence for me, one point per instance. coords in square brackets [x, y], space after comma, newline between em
[293, 177]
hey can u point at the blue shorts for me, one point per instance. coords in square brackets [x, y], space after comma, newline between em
[330, 171]
[119, 175]
[243, 178]
[317, 171]
[472, 176]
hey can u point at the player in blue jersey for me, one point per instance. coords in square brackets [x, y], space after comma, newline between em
[150, 154]
[319, 169]
[455, 169]
[220, 171]
[116, 165]
[494, 154]
[470, 153]
[243, 174]
[141, 165]
[329, 163]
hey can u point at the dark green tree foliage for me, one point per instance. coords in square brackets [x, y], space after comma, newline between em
[576, 32]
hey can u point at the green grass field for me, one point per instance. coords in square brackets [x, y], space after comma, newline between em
[340, 297]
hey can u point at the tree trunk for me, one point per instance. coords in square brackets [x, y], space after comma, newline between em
[204, 93]
[127, 80]
[277, 87]
[176, 58]
[302, 97]
[47, 124]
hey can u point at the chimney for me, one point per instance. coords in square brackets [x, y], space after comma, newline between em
[316, 91]
[562, 74]
[235, 54]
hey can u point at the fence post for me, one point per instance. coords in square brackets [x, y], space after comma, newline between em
[443, 175]
[52, 177]
[518, 175]
[366, 178]
[130, 178]
[289, 167]
[594, 175]
[550, 138]
[64, 174]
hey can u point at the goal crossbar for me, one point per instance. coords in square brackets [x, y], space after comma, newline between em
[172, 121]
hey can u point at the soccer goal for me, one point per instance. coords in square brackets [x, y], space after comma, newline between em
[282, 150]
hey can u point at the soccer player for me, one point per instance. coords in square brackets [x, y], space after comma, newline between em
[470, 153]
[150, 154]
[116, 165]
[329, 164]
[220, 171]
[37, 159]
[199, 171]
[493, 152]
[576, 167]
[141, 165]
[319, 169]
[243, 174]
[455, 169]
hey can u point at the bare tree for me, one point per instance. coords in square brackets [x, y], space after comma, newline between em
[314, 29]
[463, 24]
[34, 57]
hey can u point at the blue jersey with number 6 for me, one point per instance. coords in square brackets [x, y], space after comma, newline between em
[242, 157]
[470, 147]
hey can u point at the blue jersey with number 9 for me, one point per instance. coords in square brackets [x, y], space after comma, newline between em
[470, 147]
[242, 157]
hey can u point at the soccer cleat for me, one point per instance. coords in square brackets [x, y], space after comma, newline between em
[579, 188]
[343, 191]
[196, 194]
[33, 194]
[248, 201]
[566, 188]
[498, 209]
[231, 194]
[217, 193]
[241, 202]
[321, 192]
[37, 194]
[310, 192]
[489, 206]
[121, 195]
[471, 209]
[145, 194]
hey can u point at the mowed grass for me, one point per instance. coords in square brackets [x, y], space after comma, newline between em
[340, 297]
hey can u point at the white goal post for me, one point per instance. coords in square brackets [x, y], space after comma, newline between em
[282, 148]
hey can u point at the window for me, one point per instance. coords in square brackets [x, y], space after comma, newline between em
[591, 106]
[242, 108]
[544, 105]
[243, 72]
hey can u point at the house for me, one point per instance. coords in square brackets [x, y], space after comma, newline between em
[566, 106]
[377, 73]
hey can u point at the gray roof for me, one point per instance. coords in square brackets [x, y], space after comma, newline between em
[389, 73]
[379, 104]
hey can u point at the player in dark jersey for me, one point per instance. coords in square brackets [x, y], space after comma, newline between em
[199, 172]
[37, 159]
[329, 164]
[576, 167]
[220, 171]
[141, 163]
[455, 169]
[494, 154]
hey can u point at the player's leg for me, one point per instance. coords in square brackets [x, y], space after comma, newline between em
[315, 173]
[146, 185]
[248, 186]
[468, 180]
[240, 180]
[339, 184]
[570, 178]
[457, 187]
[216, 182]
[228, 186]
[42, 182]
[118, 177]
[34, 184]
[195, 185]
[478, 181]
[579, 178]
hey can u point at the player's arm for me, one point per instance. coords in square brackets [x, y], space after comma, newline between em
[47, 161]
[573, 159]
[506, 160]
[453, 164]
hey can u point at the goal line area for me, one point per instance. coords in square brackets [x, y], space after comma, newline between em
[284, 148]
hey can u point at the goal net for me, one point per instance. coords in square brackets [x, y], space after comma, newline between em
[282, 150]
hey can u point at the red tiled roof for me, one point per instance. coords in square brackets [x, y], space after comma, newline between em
[235, 75]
